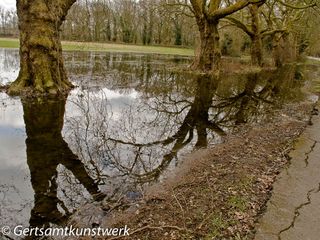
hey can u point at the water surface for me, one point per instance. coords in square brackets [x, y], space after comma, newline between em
[129, 123]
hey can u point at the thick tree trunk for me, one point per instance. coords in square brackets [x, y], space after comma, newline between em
[256, 50]
[283, 50]
[41, 63]
[256, 42]
[208, 56]
[277, 51]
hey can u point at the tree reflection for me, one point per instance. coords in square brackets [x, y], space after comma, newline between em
[258, 94]
[141, 139]
[46, 149]
[196, 121]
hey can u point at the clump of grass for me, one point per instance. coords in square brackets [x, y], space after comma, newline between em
[239, 203]
[218, 224]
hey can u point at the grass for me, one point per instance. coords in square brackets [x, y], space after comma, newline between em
[315, 61]
[238, 203]
[107, 47]
[218, 224]
[9, 43]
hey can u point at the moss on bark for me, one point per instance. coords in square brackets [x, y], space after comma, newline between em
[41, 62]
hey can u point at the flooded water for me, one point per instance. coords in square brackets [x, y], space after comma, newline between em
[129, 123]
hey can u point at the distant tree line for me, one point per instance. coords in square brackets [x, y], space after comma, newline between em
[8, 23]
[263, 26]
[128, 21]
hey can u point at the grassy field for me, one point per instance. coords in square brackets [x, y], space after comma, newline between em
[107, 47]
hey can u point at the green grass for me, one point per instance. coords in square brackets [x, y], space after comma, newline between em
[238, 202]
[218, 224]
[312, 61]
[107, 47]
[9, 43]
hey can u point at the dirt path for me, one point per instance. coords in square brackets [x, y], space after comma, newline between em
[293, 211]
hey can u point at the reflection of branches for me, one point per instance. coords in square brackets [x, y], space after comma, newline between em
[260, 92]
[184, 115]
[244, 105]
[84, 135]
[12, 205]
[142, 137]
[46, 151]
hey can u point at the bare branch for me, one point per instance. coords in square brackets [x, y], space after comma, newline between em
[297, 7]
[240, 25]
[221, 13]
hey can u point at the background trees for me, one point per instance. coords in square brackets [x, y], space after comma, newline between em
[264, 25]
[281, 29]
[138, 22]
[8, 22]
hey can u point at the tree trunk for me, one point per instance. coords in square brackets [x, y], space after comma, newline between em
[208, 57]
[256, 43]
[256, 50]
[277, 51]
[41, 62]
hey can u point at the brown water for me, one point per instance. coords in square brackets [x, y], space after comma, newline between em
[129, 123]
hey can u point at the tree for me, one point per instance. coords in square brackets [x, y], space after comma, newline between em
[208, 15]
[282, 21]
[41, 63]
[254, 32]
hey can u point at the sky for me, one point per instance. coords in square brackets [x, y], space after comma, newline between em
[8, 4]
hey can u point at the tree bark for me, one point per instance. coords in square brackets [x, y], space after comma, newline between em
[256, 42]
[208, 58]
[208, 14]
[283, 50]
[256, 51]
[41, 62]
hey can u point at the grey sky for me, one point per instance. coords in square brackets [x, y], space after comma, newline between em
[8, 4]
